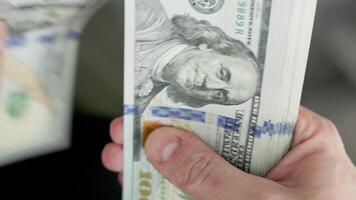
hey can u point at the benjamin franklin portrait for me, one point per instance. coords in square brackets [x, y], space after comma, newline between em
[197, 62]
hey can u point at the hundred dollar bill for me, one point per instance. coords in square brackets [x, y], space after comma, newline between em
[38, 48]
[229, 71]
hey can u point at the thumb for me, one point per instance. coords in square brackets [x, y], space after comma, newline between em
[194, 168]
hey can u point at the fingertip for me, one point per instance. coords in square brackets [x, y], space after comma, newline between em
[190, 164]
[112, 156]
[116, 130]
[161, 143]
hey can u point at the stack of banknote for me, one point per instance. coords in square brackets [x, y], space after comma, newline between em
[38, 45]
[229, 71]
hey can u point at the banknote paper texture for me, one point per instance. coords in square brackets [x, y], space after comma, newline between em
[37, 68]
[229, 71]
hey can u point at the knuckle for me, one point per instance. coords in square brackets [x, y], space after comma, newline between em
[329, 129]
[319, 129]
[196, 171]
[330, 126]
[332, 140]
[311, 122]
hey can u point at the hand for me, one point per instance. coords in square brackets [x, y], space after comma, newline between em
[316, 168]
[112, 155]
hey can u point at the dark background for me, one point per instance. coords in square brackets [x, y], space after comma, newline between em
[73, 174]
[77, 173]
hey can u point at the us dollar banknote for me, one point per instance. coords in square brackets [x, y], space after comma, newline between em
[229, 71]
[38, 48]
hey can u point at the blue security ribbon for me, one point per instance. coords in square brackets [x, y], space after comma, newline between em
[268, 128]
[131, 110]
[229, 123]
[274, 128]
[15, 41]
[178, 113]
[47, 38]
[74, 35]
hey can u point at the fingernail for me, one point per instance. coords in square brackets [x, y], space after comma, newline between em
[168, 151]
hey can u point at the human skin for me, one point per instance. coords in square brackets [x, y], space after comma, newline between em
[316, 168]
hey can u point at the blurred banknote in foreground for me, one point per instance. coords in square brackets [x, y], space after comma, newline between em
[37, 64]
[229, 71]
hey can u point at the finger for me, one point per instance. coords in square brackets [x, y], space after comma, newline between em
[112, 157]
[194, 168]
[313, 133]
[116, 130]
[307, 125]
